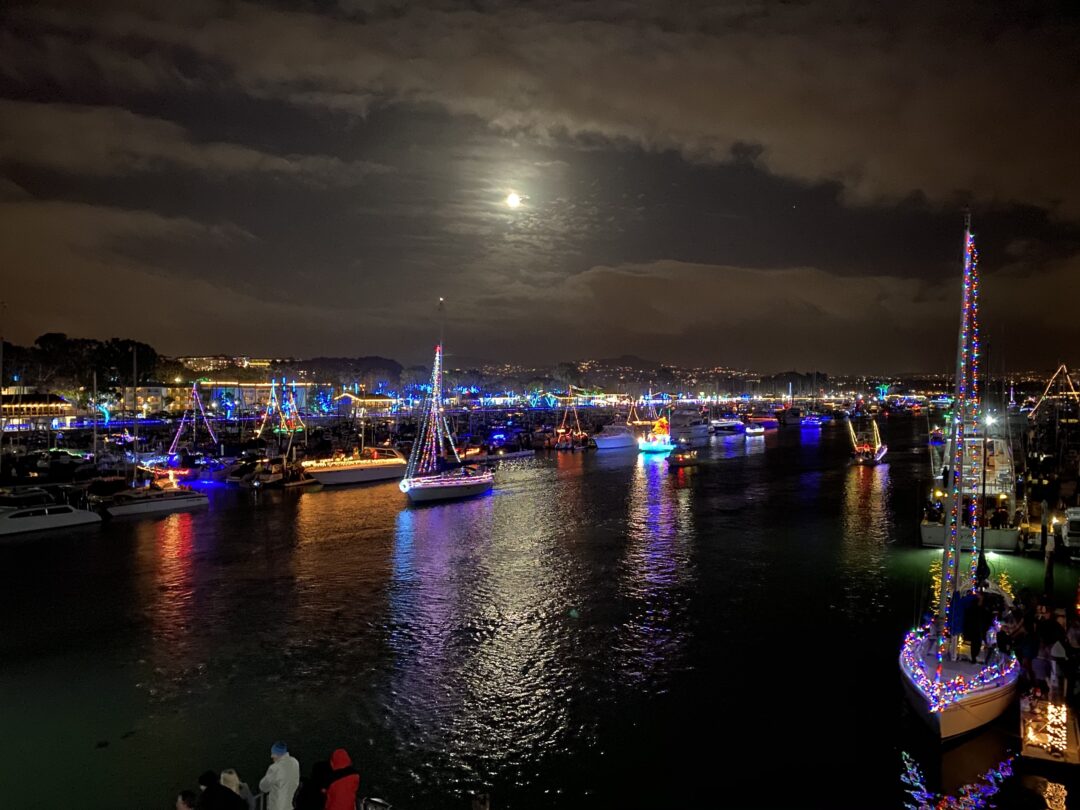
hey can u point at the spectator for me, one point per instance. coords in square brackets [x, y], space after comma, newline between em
[312, 794]
[282, 778]
[215, 796]
[231, 779]
[344, 782]
[975, 622]
[186, 800]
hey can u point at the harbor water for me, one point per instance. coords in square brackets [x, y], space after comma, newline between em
[599, 632]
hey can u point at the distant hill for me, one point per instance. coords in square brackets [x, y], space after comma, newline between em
[630, 361]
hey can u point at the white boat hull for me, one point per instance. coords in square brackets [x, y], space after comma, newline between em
[727, 426]
[964, 715]
[694, 434]
[358, 475]
[948, 700]
[447, 488]
[621, 442]
[1004, 540]
[63, 520]
[157, 505]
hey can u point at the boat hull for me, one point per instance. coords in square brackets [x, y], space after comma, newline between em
[727, 426]
[448, 486]
[448, 491]
[358, 475]
[964, 715]
[615, 442]
[1004, 540]
[157, 506]
[646, 446]
[20, 526]
[696, 433]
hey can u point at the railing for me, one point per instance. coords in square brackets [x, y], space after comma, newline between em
[362, 802]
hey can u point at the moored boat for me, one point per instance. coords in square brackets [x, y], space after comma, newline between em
[955, 696]
[727, 424]
[41, 517]
[363, 466]
[615, 437]
[155, 501]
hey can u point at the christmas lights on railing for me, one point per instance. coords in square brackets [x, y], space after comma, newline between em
[940, 694]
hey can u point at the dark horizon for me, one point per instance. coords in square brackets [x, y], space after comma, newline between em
[460, 362]
[766, 186]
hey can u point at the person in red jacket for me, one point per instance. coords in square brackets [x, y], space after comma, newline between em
[344, 782]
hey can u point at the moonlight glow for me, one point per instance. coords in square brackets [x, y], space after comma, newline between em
[513, 199]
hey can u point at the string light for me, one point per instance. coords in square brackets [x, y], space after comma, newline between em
[1046, 726]
[977, 794]
[939, 693]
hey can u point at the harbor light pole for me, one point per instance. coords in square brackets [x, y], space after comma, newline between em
[3, 308]
[135, 412]
[983, 566]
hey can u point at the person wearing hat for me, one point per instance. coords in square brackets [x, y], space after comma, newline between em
[215, 796]
[282, 778]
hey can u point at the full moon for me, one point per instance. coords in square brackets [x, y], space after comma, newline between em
[513, 199]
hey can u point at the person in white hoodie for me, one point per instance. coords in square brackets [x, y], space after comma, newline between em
[282, 778]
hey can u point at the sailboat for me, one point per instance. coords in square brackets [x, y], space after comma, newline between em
[956, 696]
[648, 417]
[868, 450]
[570, 437]
[425, 480]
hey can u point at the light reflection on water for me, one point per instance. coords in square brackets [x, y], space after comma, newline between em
[569, 633]
[867, 525]
[480, 624]
[655, 569]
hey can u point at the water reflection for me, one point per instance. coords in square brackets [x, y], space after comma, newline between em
[655, 569]
[755, 445]
[734, 445]
[171, 605]
[482, 616]
[979, 792]
[867, 526]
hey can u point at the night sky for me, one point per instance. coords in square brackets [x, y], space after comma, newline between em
[763, 185]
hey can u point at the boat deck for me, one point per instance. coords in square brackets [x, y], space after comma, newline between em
[952, 669]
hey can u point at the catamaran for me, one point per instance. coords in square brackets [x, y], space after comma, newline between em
[868, 450]
[952, 695]
[426, 478]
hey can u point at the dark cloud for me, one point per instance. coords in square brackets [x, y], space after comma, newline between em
[109, 141]
[756, 183]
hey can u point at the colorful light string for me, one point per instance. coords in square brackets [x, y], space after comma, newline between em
[973, 796]
[424, 458]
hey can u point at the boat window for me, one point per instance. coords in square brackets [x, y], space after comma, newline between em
[29, 513]
[59, 510]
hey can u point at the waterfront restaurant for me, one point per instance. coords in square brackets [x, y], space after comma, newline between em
[36, 411]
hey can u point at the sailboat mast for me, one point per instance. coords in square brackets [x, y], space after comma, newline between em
[965, 413]
[431, 427]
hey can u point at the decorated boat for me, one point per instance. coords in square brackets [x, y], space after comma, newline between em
[952, 691]
[427, 477]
